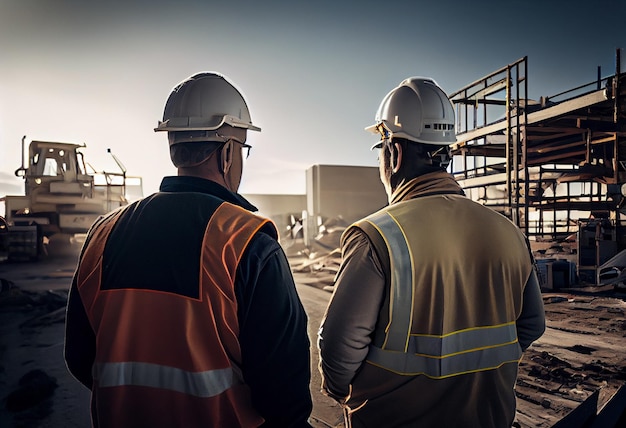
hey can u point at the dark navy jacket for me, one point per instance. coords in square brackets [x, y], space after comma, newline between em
[273, 325]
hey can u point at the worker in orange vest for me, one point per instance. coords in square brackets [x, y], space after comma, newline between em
[183, 310]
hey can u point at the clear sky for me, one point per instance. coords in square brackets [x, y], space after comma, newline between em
[313, 72]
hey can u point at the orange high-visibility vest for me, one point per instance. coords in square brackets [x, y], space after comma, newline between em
[163, 359]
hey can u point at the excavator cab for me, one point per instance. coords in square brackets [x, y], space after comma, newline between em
[63, 194]
[56, 168]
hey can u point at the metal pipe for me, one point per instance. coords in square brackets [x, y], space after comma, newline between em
[616, 85]
[21, 171]
[509, 188]
[23, 140]
[495, 73]
[525, 152]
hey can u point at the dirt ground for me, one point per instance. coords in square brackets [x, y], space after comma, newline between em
[32, 320]
[581, 354]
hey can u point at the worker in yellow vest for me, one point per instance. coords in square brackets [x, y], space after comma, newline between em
[183, 311]
[436, 297]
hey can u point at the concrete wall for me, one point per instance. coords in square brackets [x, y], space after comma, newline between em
[332, 191]
[349, 192]
[278, 208]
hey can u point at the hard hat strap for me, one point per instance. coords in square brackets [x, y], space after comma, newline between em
[440, 157]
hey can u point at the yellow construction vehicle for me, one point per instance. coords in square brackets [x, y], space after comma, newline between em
[64, 195]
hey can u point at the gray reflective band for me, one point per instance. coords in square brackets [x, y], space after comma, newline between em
[200, 384]
[401, 301]
[446, 366]
[463, 340]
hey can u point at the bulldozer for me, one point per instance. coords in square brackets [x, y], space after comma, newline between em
[63, 196]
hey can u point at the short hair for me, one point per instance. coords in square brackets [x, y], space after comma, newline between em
[189, 154]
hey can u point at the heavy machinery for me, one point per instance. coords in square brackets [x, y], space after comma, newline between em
[64, 195]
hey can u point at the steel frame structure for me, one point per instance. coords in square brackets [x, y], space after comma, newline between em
[546, 164]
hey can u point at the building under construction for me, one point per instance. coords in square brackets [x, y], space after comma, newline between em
[555, 166]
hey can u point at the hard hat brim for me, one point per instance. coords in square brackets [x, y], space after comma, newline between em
[376, 146]
[201, 125]
[372, 128]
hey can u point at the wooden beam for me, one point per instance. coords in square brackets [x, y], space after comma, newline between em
[474, 134]
[568, 106]
[489, 101]
[551, 136]
[539, 160]
[492, 88]
[550, 147]
[553, 129]
[554, 147]
[495, 151]
[598, 125]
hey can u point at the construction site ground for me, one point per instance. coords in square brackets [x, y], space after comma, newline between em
[581, 358]
[582, 355]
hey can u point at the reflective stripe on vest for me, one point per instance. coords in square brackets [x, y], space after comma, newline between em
[436, 356]
[401, 302]
[200, 384]
[454, 354]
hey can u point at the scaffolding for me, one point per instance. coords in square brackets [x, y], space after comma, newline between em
[554, 166]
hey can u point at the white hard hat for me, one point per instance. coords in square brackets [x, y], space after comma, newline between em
[205, 101]
[417, 110]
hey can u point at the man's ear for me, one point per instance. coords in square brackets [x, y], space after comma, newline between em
[227, 157]
[396, 157]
